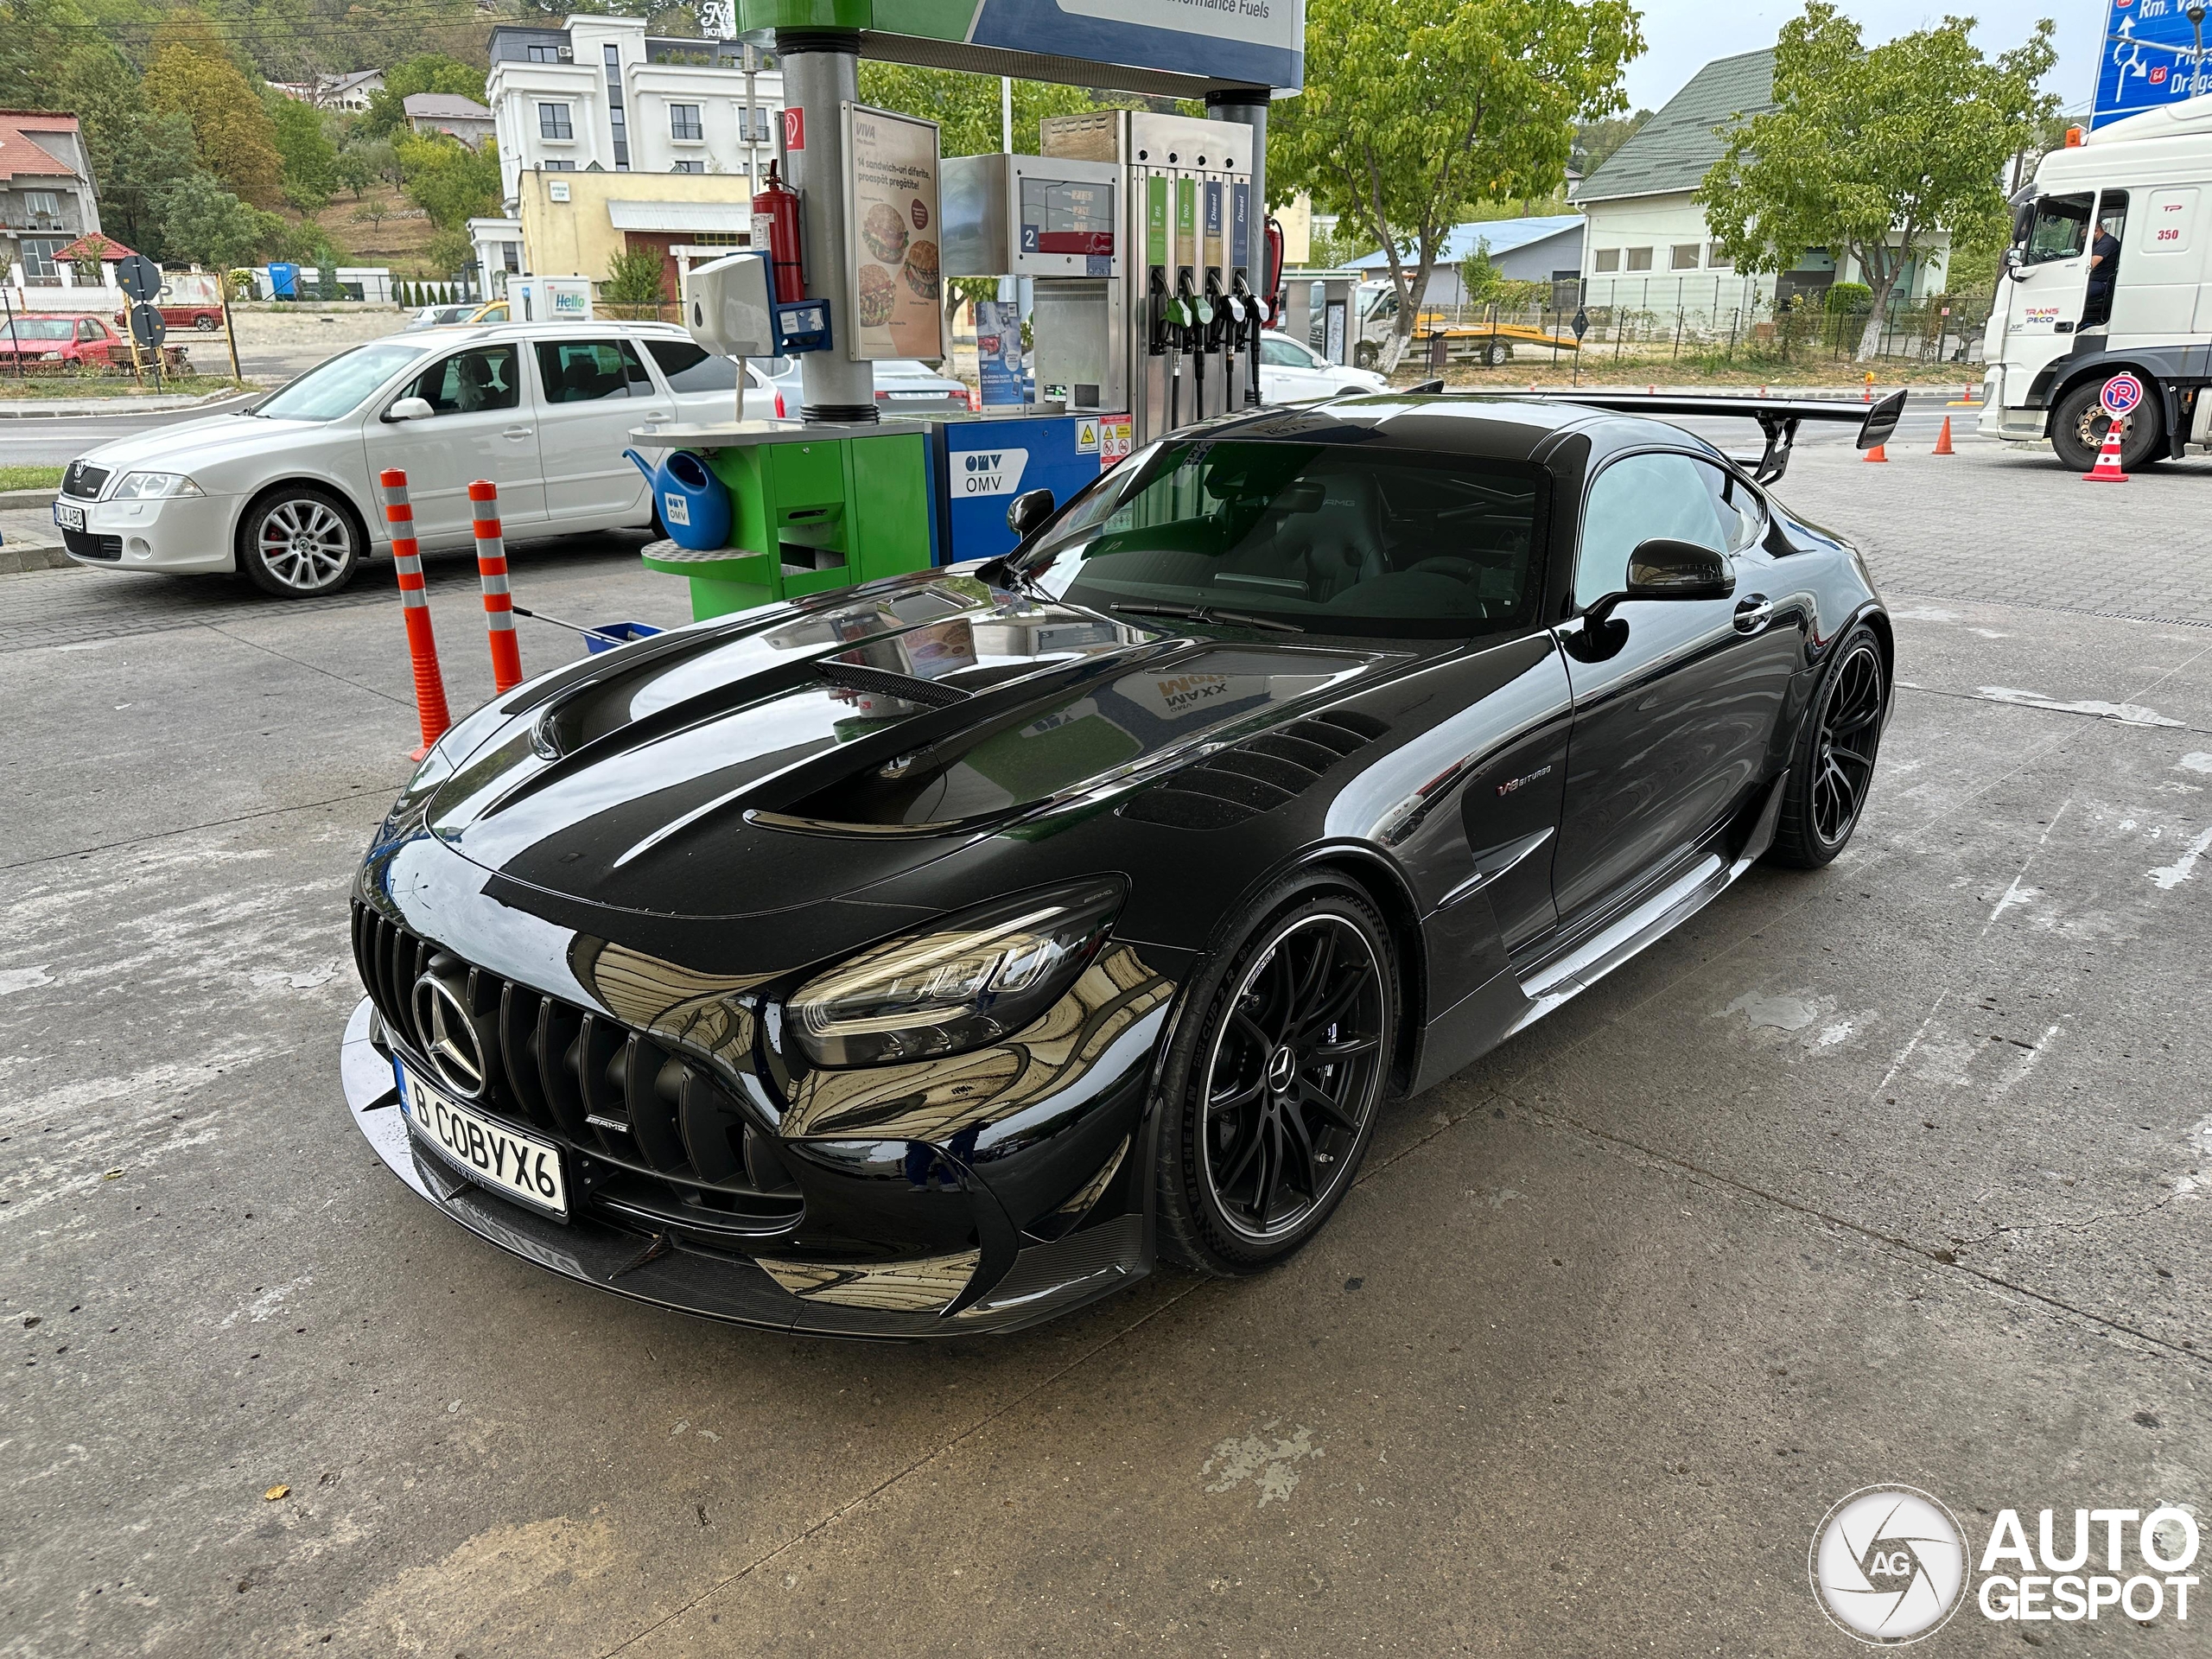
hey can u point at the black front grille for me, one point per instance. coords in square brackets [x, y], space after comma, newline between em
[86, 545]
[659, 1140]
[1255, 776]
[84, 480]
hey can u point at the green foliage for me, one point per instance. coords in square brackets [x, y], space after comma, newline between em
[134, 152]
[310, 161]
[1849, 300]
[431, 72]
[1340, 247]
[1875, 153]
[1480, 280]
[1596, 141]
[203, 221]
[448, 181]
[192, 75]
[966, 107]
[449, 251]
[634, 279]
[1412, 110]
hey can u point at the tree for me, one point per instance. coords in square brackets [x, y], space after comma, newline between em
[310, 161]
[203, 221]
[355, 167]
[1414, 109]
[430, 72]
[967, 107]
[634, 280]
[1479, 279]
[136, 153]
[231, 134]
[1596, 141]
[372, 214]
[448, 181]
[1874, 155]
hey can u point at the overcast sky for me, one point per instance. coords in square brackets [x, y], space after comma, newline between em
[1680, 35]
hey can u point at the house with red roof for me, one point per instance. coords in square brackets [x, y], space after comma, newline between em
[47, 198]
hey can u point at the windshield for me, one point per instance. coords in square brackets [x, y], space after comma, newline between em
[1321, 537]
[42, 328]
[337, 387]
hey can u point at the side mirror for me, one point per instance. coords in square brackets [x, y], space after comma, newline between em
[411, 409]
[1668, 570]
[2015, 262]
[1028, 511]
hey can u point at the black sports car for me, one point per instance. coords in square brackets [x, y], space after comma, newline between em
[930, 956]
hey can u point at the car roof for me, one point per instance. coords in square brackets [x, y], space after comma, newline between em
[1477, 425]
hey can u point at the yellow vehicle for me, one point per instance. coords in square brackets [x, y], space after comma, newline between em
[1485, 342]
[490, 311]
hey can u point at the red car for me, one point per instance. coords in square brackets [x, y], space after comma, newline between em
[52, 343]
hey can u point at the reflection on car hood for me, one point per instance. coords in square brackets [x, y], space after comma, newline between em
[188, 444]
[756, 766]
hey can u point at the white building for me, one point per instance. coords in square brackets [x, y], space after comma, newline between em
[460, 118]
[348, 91]
[1648, 247]
[600, 95]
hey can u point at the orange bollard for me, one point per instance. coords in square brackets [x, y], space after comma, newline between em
[1943, 439]
[407, 559]
[1877, 453]
[1869, 398]
[2108, 469]
[499, 603]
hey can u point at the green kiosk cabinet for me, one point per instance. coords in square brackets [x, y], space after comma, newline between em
[812, 508]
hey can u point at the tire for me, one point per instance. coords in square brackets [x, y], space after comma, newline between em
[2079, 424]
[205, 325]
[1364, 355]
[1498, 353]
[1291, 1032]
[298, 542]
[1833, 767]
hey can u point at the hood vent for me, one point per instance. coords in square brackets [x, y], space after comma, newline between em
[1257, 776]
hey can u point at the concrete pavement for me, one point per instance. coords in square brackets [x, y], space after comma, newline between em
[1893, 1173]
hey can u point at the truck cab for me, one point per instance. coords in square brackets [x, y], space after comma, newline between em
[2109, 271]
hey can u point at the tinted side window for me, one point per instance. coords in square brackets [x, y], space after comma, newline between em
[580, 370]
[1636, 500]
[486, 377]
[1283, 353]
[690, 367]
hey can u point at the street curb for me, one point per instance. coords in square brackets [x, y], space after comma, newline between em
[28, 497]
[15, 559]
[122, 405]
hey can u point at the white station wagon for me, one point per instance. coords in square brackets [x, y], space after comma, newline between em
[285, 491]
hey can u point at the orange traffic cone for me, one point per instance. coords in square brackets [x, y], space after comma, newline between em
[1877, 453]
[1943, 439]
[2108, 469]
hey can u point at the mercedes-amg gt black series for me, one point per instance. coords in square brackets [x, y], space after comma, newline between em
[933, 955]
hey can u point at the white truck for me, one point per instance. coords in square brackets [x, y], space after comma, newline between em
[2053, 340]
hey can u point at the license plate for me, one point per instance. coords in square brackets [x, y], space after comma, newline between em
[68, 516]
[491, 1153]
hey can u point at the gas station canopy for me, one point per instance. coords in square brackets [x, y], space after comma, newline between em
[1172, 48]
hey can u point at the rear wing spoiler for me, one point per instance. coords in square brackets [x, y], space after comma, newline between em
[1778, 417]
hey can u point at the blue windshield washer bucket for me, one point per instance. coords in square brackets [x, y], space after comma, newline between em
[606, 636]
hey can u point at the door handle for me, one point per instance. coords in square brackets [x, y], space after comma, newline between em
[656, 414]
[1754, 613]
[516, 432]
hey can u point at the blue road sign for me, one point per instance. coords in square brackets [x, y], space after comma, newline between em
[2149, 59]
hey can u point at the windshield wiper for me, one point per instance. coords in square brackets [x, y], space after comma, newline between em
[1205, 613]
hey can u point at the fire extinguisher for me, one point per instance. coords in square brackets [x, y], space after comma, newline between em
[1276, 297]
[775, 227]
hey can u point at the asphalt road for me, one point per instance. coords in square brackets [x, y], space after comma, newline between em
[1894, 1172]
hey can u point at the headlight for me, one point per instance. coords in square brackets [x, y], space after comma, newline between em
[153, 487]
[966, 982]
[49, 357]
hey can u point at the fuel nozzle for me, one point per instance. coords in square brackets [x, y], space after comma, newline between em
[1189, 311]
[1226, 325]
[1162, 311]
[1248, 308]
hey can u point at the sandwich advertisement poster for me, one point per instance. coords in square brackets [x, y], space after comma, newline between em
[895, 293]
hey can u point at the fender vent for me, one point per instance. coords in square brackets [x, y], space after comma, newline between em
[1257, 776]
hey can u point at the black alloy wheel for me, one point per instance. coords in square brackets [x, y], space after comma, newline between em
[1834, 766]
[2079, 424]
[1281, 1087]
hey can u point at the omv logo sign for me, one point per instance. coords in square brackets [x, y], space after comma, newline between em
[988, 472]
